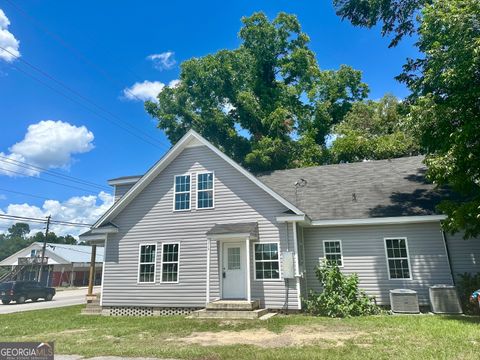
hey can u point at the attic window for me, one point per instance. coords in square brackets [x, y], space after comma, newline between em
[205, 190]
[182, 193]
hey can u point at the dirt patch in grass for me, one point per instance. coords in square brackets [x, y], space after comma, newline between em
[290, 336]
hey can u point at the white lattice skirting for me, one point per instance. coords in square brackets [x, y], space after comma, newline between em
[146, 311]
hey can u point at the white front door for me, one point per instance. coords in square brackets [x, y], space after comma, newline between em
[233, 271]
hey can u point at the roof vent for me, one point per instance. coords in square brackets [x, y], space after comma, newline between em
[444, 299]
[404, 301]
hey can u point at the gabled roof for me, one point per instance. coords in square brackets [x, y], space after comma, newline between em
[190, 138]
[60, 253]
[371, 189]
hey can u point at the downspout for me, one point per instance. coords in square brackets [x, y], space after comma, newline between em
[286, 280]
[449, 259]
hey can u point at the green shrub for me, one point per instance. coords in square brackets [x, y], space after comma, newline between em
[466, 285]
[340, 297]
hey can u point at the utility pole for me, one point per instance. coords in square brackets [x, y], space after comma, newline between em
[43, 249]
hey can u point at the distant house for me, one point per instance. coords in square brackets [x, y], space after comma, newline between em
[65, 265]
[197, 227]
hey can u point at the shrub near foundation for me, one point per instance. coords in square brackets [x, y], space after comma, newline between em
[341, 296]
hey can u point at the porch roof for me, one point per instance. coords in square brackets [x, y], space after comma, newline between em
[249, 229]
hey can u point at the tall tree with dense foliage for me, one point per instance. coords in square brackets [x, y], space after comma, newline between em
[374, 130]
[445, 86]
[266, 104]
[398, 17]
[446, 89]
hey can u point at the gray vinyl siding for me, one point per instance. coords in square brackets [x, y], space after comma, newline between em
[464, 254]
[121, 190]
[364, 254]
[149, 218]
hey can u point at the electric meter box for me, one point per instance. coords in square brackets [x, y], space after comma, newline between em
[288, 268]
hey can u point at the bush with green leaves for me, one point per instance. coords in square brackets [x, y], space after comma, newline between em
[466, 285]
[341, 296]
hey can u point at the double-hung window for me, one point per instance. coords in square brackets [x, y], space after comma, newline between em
[205, 190]
[332, 250]
[146, 263]
[182, 192]
[397, 258]
[267, 264]
[170, 259]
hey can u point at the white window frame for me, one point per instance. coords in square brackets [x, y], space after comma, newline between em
[154, 263]
[396, 258]
[212, 190]
[170, 262]
[255, 261]
[182, 192]
[341, 251]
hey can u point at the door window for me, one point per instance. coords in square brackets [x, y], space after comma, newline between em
[233, 254]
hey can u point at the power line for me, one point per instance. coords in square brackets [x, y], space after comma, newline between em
[26, 194]
[26, 165]
[79, 103]
[22, 218]
[77, 53]
[40, 220]
[47, 180]
[153, 141]
[55, 245]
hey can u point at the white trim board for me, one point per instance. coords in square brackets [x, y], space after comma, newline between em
[124, 181]
[190, 136]
[380, 221]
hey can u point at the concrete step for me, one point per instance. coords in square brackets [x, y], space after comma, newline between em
[229, 314]
[238, 305]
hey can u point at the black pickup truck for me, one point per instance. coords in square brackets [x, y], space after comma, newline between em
[21, 291]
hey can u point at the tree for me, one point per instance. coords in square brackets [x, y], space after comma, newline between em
[15, 239]
[266, 104]
[374, 130]
[399, 17]
[445, 86]
[18, 238]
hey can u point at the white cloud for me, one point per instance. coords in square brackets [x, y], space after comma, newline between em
[163, 61]
[147, 90]
[7, 40]
[174, 83]
[47, 144]
[78, 209]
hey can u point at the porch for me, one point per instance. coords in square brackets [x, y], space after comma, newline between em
[233, 244]
[233, 259]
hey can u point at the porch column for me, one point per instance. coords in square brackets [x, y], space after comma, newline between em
[249, 292]
[207, 296]
[91, 276]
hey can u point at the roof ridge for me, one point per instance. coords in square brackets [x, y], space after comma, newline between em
[355, 163]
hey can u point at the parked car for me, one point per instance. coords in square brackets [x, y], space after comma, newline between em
[21, 291]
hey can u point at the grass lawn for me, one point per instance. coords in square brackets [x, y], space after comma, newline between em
[286, 337]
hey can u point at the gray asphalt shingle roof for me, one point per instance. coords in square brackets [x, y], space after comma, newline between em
[381, 188]
[74, 253]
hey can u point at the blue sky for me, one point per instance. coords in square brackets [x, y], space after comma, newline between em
[101, 48]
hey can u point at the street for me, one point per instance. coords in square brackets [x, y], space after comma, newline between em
[62, 298]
